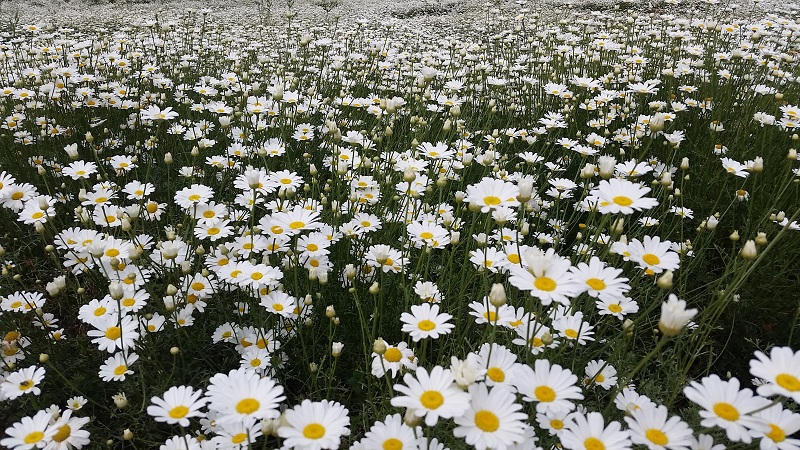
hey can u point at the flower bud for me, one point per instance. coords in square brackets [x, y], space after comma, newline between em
[330, 312]
[120, 400]
[497, 295]
[665, 280]
[379, 346]
[735, 236]
[174, 351]
[749, 251]
[116, 290]
[761, 238]
[375, 288]
[127, 435]
[336, 349]
[171, 289]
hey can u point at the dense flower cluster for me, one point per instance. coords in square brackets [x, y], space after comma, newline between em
[509, 212]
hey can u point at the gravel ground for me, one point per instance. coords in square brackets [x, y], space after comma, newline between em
[425, 14]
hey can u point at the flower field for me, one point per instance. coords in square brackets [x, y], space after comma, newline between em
[509, 233]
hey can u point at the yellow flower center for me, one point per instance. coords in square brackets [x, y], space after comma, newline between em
[209, 214]
[496, 374]
[286, 181]
[651, 259]
[238, 438]
[122, 369]
[544, 394]
[596, 284]
[152, 207]
[594, 444]
[99, 311]
[491, 316]
[312, 247]
[392, 444]
[213, 231]
[431, 399]
[776, 433]
[113, 333]
[572, 334]
[656, 436]
[17, 195]
[198, 286]
[426, 325]
[178, 412]
[111, 219]
[112, 253]
[297, 225]
[487, 421]
[247, 246]
[545, 284]
[514, 258]
[194, 197]
[788, 382]
[277, 307]
[247, 406]
[614, 308]
[393, 355]
[257, 276]
[255, 362]
[556, 424]
[25, 385]
[622, 200]
[101, 199]
[726, 411]
[491, 200]
[34, 437]
[63, 433]
[426, 235]
[37, 215]
[313, 431]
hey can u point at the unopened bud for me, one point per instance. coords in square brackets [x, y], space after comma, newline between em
[665, 280]
[497, 295]
[749, 251]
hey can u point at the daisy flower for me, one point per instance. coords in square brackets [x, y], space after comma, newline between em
[486, 313]
[76, 403]
[68, 432]
[629, 400]
[600, 281]
[781, 370]
[193, 195]
[550, 386]
[573, 328]
[546, 276]
[493, 419]
[394, 359]
[616, 196]
[176, 405]
[618, 308]
[490, 193]
[499, 363]
[279, 303]
[112, 333]
[425, 321]
[116, 367]
[21, 382]
[531, 334]
[653, 255]
[236, 435]
[727, 407]
[600, 373]
[243, 394]
[185, 442]
[783, 424]
[315, 425]
[30, 432]
[674, 315]
[432, 395]
[391, 433]
[590, 433]
[554, 422]
[649, 426]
